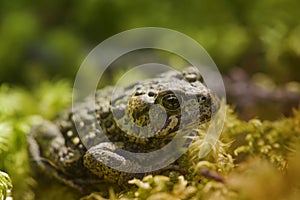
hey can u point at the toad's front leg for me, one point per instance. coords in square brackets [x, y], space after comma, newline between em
[105, 160]
[46, 146]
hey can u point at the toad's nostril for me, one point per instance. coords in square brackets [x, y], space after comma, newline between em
[138, 93]
[151, 94]
[202, 98]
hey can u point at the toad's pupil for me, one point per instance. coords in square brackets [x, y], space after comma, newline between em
[171, 102]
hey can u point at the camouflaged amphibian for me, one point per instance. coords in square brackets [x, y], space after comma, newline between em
[120, 114]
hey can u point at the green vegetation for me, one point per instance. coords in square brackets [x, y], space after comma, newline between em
[19, 110]
[41, 40]
[5, 185]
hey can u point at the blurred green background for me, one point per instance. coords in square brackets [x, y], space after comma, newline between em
[49, 39]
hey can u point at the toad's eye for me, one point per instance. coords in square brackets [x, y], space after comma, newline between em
[170, 101]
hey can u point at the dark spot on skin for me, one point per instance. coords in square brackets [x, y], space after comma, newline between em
[104, 115]
[108, 123]
[151, 94]
[98, 118]
[70, 115]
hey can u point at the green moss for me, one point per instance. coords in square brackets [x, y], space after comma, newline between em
[5, 185]
[251, 160]
[19, 110]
